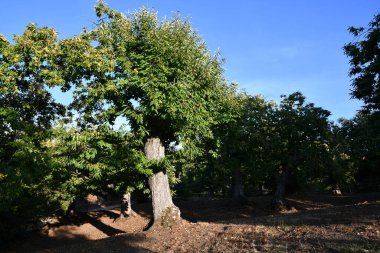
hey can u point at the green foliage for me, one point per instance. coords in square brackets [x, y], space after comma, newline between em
[344, 167]
[159, 75]
[364, 54]
[359, 139]
[90, 160]
[27, 69]
[24, 173]
[242, 141]
[260, 139]
[299, 139]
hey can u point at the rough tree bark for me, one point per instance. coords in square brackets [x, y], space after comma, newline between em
[165, 212]
[279, 200]
[126, 206]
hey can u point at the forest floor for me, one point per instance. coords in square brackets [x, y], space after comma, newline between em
[316, 223]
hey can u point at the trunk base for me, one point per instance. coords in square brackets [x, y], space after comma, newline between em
[126, 206]
[165, 213]
[238, 192]
[280, 204]
[170, 217]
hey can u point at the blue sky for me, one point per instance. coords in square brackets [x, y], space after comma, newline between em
[271, 47]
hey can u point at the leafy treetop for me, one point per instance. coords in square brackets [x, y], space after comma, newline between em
[364, 57]
[160, 76]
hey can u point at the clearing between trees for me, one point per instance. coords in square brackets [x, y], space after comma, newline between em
[316, 223]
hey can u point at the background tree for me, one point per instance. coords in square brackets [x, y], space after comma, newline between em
[27, 69]
[298, 143]
[344, 165]
[242, 141]
[364, 55]
[360, 139]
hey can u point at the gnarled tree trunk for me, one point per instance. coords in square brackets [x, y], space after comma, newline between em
[126, 206]
[279, 200]
[164, 211]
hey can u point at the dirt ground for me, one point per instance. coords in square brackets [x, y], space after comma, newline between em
[317, 223]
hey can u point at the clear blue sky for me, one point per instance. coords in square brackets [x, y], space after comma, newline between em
[271, 47]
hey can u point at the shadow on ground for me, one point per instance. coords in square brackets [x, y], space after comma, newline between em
[121, 243]
[312, 209]
[311, 212]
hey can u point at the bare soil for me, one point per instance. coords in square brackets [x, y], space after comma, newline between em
[316, 223]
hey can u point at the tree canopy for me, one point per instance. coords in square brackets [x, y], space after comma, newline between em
[158, 75]
[364, 54]
[27, 109]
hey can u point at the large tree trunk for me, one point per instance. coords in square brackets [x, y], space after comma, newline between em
[279, 201]
[165, 212]
[238, 190]
[126, 206]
